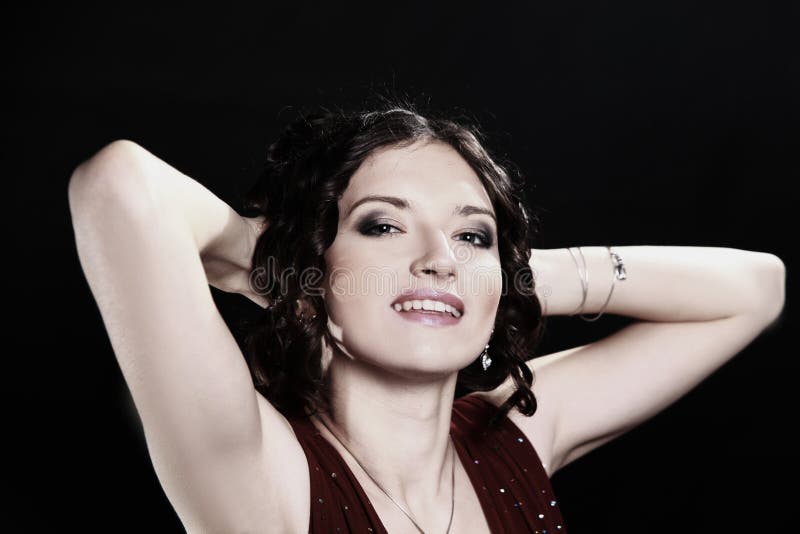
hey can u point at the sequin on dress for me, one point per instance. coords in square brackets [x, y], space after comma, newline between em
[504, 468]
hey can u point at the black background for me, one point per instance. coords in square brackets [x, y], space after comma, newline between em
[668, 124]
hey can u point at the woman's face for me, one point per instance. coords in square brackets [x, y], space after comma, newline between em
[382, 250]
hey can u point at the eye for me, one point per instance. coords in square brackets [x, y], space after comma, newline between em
[379, 229]
[369, 229]
[484, 239]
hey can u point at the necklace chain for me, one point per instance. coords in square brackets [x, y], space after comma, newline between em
[452, 477]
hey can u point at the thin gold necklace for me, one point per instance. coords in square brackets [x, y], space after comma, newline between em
[452, 477]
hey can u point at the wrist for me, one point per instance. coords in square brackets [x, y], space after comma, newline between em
[556, 283]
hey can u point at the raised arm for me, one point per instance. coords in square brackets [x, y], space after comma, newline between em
[697, 307]
[218, 447]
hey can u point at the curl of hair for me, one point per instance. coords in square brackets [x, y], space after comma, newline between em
[307, 170]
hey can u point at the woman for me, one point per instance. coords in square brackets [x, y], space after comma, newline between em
[344, 417]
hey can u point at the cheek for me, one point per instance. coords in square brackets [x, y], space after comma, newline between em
[483, 282]
[354, 293]
[339, 276]
[359, 275]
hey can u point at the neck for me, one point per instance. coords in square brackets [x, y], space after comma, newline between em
[398, 430]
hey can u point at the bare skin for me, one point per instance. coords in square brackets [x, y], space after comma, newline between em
[151, 240]
[392, 394]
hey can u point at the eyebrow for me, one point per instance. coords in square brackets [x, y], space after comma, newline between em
[403, 204]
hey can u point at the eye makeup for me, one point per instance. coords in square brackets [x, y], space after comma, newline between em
[367, 225]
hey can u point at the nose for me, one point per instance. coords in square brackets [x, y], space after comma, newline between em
[438, 258]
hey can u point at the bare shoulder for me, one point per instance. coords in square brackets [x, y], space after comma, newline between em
[539, 428]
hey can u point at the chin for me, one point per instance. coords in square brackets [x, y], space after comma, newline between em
[428, 362]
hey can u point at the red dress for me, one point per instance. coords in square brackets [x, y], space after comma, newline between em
[512, 485]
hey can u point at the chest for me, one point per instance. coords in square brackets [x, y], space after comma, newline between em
[468, 515]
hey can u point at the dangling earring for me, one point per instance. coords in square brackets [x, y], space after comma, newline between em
[486, 361]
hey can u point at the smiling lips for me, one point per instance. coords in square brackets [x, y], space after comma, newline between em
[427, 305]
[428, 299]
[429, 317]
[430, 307]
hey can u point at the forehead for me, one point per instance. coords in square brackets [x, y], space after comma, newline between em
[429, 174]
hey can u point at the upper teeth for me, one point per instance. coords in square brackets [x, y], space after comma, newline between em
[432, 305]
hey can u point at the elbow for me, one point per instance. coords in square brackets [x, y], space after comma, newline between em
[771, 282]
[780, 287]
[104, 164]
[114, 172]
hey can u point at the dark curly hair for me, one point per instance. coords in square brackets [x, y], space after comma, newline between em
[307, 170]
